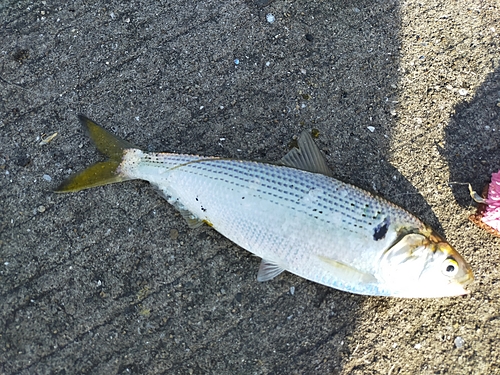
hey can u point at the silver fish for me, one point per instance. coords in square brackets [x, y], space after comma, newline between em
[294, 215]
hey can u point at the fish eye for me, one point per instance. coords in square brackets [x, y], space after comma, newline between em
[450, 267]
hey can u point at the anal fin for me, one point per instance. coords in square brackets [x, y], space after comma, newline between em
[268, 271]
[191, 220]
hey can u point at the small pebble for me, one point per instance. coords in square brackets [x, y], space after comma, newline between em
[459, 342]
[236, 61]
[41, 209]
[270, 18]
[174, 234]
[463, 92]
[292, 290]
[46, 177]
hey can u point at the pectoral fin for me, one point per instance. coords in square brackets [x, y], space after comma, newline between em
[347, 272]
[268, 270]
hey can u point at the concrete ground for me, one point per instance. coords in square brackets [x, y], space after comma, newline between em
[406, 97]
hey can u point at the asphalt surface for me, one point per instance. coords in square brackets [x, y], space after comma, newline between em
[405, 95]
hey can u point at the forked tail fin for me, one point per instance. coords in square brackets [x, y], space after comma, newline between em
[101, 173]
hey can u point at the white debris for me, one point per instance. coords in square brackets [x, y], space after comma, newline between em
[48, 139]
[371, 128]
[459, 342]
[270, 18]
[292, 290]
[46, 177]
[463, 92]
[418, 346]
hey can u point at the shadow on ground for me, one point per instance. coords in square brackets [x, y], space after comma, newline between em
[472, 143]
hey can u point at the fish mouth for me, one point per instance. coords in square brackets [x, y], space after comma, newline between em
[466, 279]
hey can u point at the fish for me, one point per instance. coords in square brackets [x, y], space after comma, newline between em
[294, 215]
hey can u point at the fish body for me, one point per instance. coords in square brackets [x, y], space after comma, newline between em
[294, 216]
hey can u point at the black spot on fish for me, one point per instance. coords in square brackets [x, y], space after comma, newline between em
[381, 230]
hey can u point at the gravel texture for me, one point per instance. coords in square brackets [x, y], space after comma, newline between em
[406, 97]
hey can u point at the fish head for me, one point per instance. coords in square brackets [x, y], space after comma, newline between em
[423, 265]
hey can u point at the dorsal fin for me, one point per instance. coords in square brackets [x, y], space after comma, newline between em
[307, 157]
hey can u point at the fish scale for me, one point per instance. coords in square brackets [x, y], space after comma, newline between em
[294, 215]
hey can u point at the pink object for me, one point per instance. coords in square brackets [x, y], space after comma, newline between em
[488, 213]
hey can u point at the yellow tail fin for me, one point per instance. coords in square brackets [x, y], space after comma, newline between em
[101, 173]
